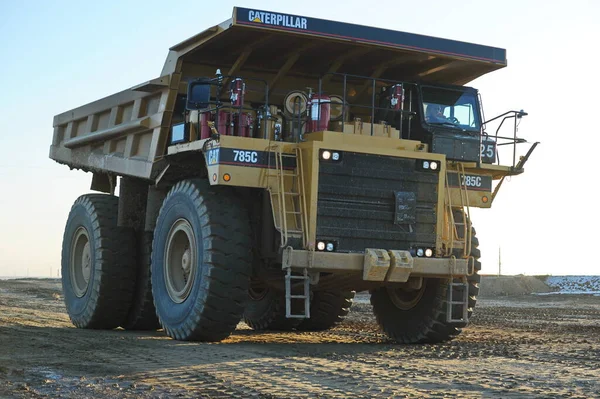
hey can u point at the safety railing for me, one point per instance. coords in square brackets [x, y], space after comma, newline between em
[387, 101]
[505, 141]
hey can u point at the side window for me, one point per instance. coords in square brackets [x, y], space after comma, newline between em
[463, 113]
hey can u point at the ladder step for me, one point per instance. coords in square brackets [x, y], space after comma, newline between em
[452, 303]
[282, 173]
[286, 193]
[289, 297]
[297, 277]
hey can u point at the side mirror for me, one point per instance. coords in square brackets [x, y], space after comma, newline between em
[198, 95]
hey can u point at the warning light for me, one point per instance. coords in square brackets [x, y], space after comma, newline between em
[485, 199]
[226, 177]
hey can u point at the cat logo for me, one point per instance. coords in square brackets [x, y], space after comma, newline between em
[268, 18]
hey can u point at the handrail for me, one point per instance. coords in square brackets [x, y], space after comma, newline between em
[372, 106]
[506, 140]
[218, 81]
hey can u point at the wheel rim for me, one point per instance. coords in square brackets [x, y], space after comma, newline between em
[81, 262]
[258, 290]
[180, 265]
[406, 299]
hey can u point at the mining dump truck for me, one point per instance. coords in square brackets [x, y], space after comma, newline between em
[276, 166]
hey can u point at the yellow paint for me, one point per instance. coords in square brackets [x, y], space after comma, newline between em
[309, 151]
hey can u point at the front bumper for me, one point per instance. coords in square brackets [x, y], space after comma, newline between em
[377, 264]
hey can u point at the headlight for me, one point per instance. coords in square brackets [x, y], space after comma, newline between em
[429, 252]
[328, 246]
[420, 252]
[428, 165]
[330, 155]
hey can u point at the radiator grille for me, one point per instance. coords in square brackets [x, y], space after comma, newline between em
[357, 203]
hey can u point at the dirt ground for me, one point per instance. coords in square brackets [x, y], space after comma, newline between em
[516, 347]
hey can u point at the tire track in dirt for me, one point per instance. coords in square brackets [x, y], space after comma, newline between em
[510, 351]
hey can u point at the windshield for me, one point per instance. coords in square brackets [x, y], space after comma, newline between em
[450, 108]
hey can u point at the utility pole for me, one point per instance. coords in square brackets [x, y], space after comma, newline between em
[499, 261]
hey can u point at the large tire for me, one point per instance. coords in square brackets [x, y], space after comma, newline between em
[265, 310]
[142, 314]
[201, 261]
[98, 264]
[327, 309]
[475, 279]
[420, 316]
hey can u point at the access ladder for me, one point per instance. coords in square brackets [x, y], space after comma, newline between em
[289, 214]
[459, 286]
[287, 196]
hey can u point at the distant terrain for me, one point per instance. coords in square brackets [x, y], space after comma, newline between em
[492, 286]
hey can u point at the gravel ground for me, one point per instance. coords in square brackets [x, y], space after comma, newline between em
[516, 347]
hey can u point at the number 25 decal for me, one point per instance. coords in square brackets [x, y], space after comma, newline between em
[487, 150]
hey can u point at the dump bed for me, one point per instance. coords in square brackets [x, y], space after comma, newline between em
[127, 133]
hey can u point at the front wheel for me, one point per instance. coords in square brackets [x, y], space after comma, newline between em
[420, 315]
[201, 265]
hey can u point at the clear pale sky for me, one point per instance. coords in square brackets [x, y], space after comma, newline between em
[55, 57]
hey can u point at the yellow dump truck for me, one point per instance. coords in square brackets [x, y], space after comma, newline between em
[276, 166]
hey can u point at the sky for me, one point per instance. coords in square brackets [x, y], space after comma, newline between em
[58, 55]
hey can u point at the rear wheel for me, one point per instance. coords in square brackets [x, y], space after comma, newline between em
[201, 265]
[98, 264]
[420, 315]
[265, 309]
[327, 309]
[142, 314]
